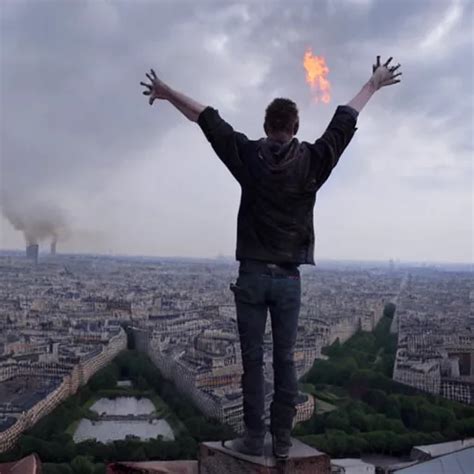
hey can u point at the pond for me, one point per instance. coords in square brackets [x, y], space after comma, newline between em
[123, 406]
[106, 431]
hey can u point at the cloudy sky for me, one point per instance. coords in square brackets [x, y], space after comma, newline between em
[80, 143]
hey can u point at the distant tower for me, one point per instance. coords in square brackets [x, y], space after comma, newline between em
[53, 248]
[32, 251]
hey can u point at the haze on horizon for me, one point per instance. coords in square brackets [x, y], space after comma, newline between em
[80, 143]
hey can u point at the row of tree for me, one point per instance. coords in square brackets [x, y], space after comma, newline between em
[79, 465]
[378, 414]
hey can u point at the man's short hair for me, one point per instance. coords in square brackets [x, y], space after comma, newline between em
[281, 115]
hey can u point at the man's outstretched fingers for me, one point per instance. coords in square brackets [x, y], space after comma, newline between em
[388, 61]
[399, 74]
[153, 73]
[378, 62]
[388, 83]
[145, 84]
[149, 77]
[394, 68]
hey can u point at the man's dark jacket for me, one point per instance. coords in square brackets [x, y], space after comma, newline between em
[279, 182]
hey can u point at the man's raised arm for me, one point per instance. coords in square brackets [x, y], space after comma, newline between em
[157, 89]
[226, 142]
[330, 146]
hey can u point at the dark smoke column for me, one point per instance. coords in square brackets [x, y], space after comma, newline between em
[53, 248]
[32, 251]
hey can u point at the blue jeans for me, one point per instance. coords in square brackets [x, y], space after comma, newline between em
[258, 288]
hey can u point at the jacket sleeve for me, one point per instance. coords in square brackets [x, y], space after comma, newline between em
[225, 141]
[326, 150]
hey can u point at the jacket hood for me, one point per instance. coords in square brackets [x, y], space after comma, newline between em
[276, 154]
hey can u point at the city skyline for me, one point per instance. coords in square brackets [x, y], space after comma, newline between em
[44, 253]
[76, 326]
[125, 178]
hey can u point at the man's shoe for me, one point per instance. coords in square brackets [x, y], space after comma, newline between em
[249, 445]
[281, 443]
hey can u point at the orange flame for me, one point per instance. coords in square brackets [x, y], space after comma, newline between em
[316, 76]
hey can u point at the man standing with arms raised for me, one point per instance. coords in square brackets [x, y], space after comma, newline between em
[279, 177]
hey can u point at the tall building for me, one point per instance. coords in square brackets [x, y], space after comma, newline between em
[53, 248]
[32, 251]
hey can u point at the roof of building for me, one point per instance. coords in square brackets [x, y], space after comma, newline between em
[439, 449]
[6, 422]
[459, 462]
[29, 465]
[350, 462]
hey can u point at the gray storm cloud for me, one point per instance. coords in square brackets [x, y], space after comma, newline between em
[78, 136]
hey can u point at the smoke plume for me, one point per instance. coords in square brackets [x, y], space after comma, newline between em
[37, 220]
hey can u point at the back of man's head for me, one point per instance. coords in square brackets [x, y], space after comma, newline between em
[281, 116]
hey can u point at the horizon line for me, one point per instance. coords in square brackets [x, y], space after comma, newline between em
[232, 257]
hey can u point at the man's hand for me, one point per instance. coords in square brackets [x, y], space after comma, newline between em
[157, 89]
[383, 75]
